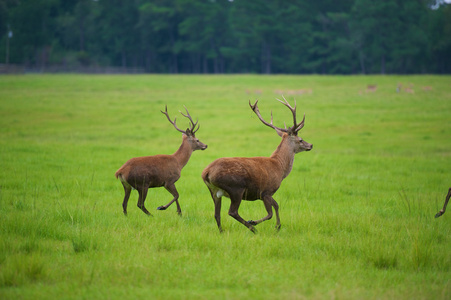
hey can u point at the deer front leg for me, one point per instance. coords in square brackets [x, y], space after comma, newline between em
[442, 211]
[269, 202]
[172, 189]
[276, 208]
[233, 212]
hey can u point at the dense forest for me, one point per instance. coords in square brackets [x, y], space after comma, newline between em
[228, 36]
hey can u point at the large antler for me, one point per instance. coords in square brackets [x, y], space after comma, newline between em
[291, 130]
[192, 125]
[188, 131]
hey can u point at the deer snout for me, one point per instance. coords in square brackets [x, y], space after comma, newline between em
[201, 145]
[198, 145]
[307, 146]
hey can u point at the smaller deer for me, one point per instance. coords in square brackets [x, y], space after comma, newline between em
[142, 173]
[442, 211]
[253, 178]
[371, 88]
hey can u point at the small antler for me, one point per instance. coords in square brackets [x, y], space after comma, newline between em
[188, 131]
[291, 130]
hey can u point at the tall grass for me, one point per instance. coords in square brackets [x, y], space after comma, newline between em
[357, 212]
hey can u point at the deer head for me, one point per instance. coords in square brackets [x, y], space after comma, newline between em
[296, 142]
[189, 132]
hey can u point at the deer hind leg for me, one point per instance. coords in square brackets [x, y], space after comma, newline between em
[171, 189]
[127, 190]
[217, 201]
[233, 210]
[142, 197]
[442, 211]
[269, 203]
[276, 208]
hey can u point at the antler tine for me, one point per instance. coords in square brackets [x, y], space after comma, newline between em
[300, 125]
[293, 110]
[169, 119]
[194, 131]
[193, 125]
[257, 112]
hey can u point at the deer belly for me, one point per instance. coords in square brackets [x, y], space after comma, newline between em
[246, 195]
[251, 194]
[148, 181]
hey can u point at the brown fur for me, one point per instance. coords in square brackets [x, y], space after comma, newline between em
[240, 178]
[142, 173]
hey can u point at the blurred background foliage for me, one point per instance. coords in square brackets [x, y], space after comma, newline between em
[228, 36]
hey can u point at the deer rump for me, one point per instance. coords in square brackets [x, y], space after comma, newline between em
[249, 177]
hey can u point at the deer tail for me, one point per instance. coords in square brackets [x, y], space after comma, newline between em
[205, 176]
[118, 174]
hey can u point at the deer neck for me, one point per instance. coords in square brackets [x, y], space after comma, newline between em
[284, 155]
[183, 153]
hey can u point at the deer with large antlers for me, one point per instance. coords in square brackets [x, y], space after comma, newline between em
[142, 173]
[241, 178]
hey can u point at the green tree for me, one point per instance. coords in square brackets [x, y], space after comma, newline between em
[5, 26]
[204, 33]
[162, 17]
[117, 31]
[219, 36]
[263, 31]
[392, 37]
[77, 33]
[33, 25]
[438, 24]
[328, 50]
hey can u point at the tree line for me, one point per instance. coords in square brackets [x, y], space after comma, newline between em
[229, 36]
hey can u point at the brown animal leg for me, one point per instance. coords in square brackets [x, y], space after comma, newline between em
[127, 190]
[218, 213]
[442, 211]
[142, 197]
[233, 211]
[171, 189]
[217, 201]
[267, 201]
[276, 208]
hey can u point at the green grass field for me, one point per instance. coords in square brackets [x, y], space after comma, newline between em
[357, 212]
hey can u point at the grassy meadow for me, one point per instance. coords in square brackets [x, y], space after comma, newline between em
[357, 211]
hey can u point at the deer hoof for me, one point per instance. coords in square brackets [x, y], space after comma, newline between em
[252, 222]
[278, 227]
[438, 214]
[161, 208]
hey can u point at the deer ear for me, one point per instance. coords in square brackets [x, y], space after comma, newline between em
[280, 133]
